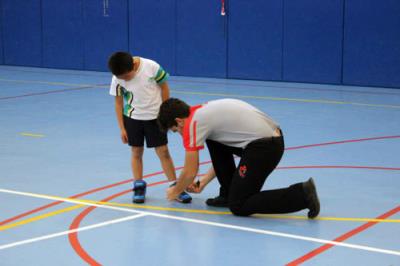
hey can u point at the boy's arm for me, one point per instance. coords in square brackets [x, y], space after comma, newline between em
[119, 109]
[187, 175]
[164, 91]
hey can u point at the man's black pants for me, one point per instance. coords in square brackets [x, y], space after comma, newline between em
[242, 184]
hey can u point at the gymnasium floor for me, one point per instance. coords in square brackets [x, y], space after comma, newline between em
[60, 155]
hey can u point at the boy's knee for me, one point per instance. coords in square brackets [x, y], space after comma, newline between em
[163, 152]
[137, 152]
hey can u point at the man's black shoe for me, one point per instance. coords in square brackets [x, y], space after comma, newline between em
[311, 198]
[218, 201]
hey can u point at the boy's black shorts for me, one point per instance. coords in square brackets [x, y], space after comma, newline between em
[138, 130]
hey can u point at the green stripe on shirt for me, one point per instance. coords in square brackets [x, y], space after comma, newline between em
[161, 76]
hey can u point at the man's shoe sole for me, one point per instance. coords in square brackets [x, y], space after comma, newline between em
[312, 198]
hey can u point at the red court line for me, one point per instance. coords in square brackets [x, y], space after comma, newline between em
[340, 142]
[129, 180]
[82, 194]
[339, 167]
[73, 238]
[86, 257]
[341, 238]
[72, 197]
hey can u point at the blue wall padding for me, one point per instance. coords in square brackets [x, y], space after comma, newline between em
[313, 37]
[152, 31]
[372, 43]
[105, 31]
[255, 39]
[63, 39]
[1, 34]
[355, 42]
[22, 32]
[201, 39]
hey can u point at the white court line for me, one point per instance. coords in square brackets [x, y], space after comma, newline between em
[240, 228]
[37, 239]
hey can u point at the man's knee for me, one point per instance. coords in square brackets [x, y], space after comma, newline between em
[237, 208]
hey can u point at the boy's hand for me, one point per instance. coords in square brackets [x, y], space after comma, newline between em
[124, 136]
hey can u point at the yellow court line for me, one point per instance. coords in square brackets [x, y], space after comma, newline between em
[286, 99]
[158, 208]
[39, 217]
[273, 216]
[224, 95]
[31, 135]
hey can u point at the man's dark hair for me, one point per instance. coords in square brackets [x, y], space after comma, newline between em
[171, 109]
[120, 63]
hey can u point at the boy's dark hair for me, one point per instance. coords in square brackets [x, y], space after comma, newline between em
[120, 63]
[171, 109]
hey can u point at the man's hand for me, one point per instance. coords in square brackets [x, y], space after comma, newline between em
[195, 187]
[124, 136]
[171, 193]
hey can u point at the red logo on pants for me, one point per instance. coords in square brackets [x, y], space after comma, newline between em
[242, 170]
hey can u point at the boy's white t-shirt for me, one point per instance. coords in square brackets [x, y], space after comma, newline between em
[142, 94]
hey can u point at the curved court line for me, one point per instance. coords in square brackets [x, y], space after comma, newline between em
[129, 180]
[341, 238]
[286, 99]
[139, 214]
[211, 212]
[153, 174]
[85, 256]
[73, 197]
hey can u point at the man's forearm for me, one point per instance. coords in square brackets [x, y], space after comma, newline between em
[183, 182]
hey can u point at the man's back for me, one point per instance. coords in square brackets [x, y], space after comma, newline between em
[231, 122]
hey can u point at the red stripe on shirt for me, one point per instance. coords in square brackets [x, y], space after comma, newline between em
[186, 131]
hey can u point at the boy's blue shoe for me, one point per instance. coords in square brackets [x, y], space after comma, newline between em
[184, 197]
[139, 191]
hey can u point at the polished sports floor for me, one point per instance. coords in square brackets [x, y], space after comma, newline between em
[65, 178]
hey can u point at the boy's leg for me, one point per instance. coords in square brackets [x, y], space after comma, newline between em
[135, 132]
[158, 140]
[259, 159]
[137, 162]
[169, 170]
[166, 162]
[139, 185]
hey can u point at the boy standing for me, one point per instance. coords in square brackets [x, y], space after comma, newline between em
[139, 86]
